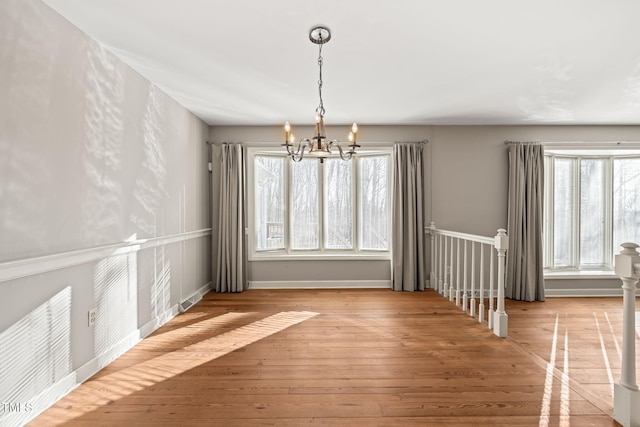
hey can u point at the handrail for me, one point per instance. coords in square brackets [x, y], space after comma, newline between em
[626, 397]
[465, 236]
[454, 273]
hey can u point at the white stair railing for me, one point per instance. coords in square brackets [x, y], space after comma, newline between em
[626, 397]
[454, 273]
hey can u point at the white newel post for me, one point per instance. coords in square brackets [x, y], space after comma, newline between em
[626, 397]
[500, 320]
[491, 288]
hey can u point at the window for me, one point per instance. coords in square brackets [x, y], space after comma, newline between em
[592, 205]
[308, 207]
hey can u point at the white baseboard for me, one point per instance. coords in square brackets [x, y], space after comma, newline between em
[94, 365]
[150, 327]
[321, 284]
[90, 368]
[205, 289]
[20, 413]
[602, 292]
[193, 299]
[61, 388]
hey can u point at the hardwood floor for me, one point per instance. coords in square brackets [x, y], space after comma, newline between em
[359, 358]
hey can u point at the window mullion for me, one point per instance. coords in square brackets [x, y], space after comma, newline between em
[608, 213]
[577, 194]
[356, 204]
[288, 208]
[323, 227]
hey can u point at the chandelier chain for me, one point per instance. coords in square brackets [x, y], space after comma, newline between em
[320, 110]
[319, 146]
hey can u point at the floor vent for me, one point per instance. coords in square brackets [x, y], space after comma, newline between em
[189, 302]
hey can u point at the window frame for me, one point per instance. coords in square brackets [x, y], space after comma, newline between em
[575, 267]
[322, 253]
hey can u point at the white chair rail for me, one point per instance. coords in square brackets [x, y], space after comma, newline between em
[461, 267]
[626, 397]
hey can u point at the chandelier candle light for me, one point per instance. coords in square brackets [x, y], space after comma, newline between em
[319, 146]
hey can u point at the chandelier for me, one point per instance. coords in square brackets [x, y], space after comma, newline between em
[319, 146]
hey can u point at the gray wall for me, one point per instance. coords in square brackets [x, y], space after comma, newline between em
[328, 272]
[467, 185]
[104, 202]
[470, 183]
[104, 196]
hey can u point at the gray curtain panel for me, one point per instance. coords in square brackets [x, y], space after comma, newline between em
[408, 271]
[525, 276]
[231, 263]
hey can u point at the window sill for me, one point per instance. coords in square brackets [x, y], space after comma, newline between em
[595, 274]
[320, 257]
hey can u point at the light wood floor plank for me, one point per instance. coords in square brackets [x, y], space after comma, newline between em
[358, 358]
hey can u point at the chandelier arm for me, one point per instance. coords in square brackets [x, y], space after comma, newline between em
[300, 146]
[288, 147]
[344, 156]
[298, 155]
[319, 146]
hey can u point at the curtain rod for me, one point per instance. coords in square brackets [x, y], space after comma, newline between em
[576, 143]
[424, 141]
[584, 143]
[222, 143]
[522, 142]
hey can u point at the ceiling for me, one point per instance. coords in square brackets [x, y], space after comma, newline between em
[248, 62]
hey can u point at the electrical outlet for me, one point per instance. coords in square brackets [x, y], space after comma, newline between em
[92, 316]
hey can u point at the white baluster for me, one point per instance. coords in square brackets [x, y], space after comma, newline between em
[472, 309]
[492, 291]
[481, 306]
[464, 270]
[458, 271]
[500, 322]
[445, 267]
[626, 397]
[436, 262]
[451, 290]
[441, 264]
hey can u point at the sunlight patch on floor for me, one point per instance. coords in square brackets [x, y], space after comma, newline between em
[545, 409]
[614, 336]
[565, 417]
[209, 326]
[565, 388]
[605, 357]
[146, 374]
